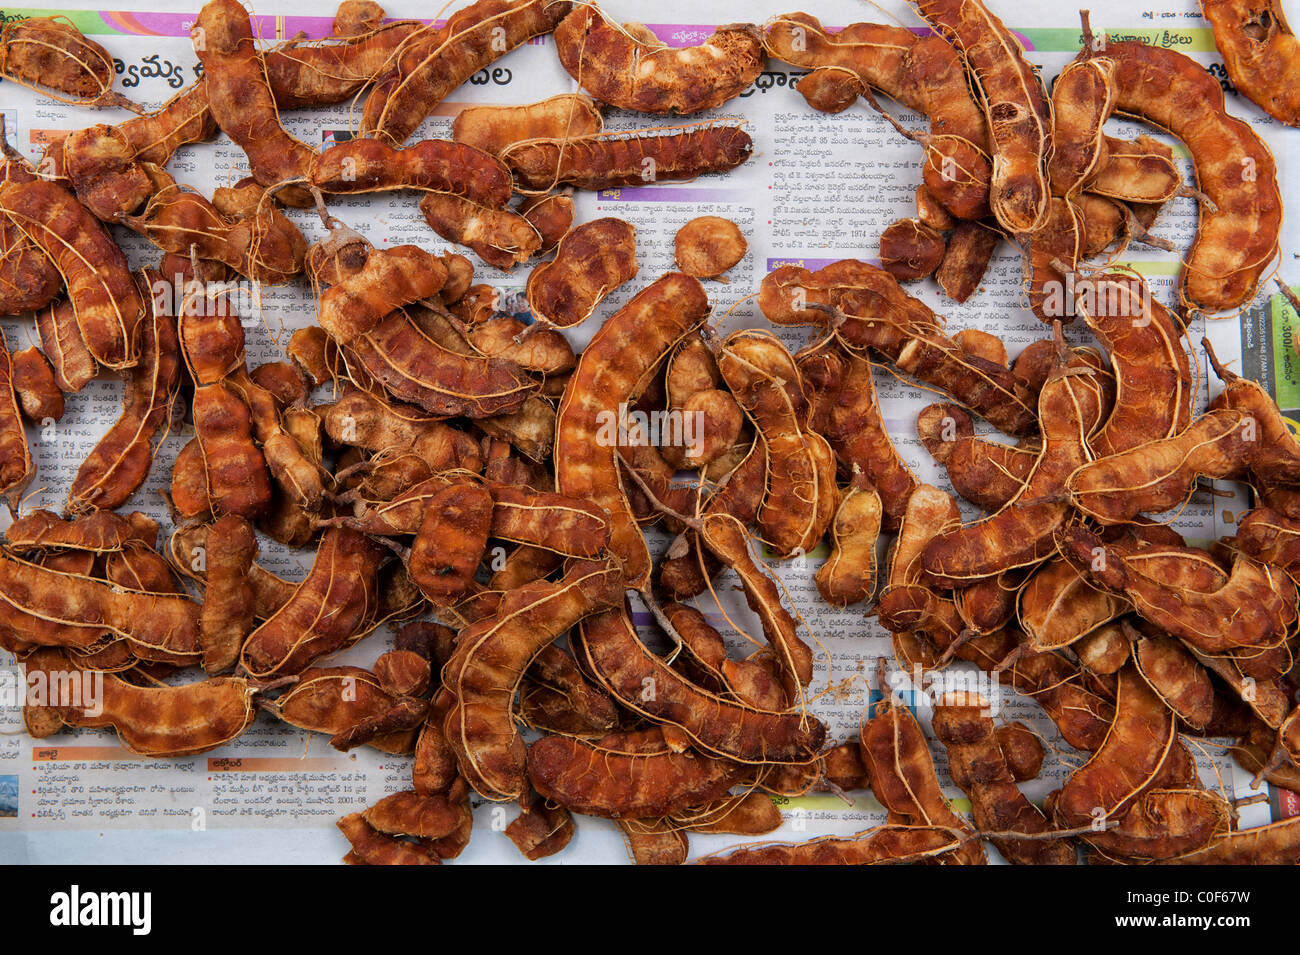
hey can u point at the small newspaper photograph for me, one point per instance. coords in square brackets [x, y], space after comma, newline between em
[532, 432]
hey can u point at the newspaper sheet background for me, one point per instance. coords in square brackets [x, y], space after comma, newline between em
[818, 188]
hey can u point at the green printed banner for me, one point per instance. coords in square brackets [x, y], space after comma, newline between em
[1187, 40]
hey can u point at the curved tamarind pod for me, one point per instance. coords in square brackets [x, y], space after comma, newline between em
[789, 295]
[1269, 537]
[1273, 450]
[73, 365]
[334, 70]
[439, 165]
[1159, 475]
[883, 845]
[229, 602]
[49, 607]
[628, 157]
[907, 603]
[620, 661]
[854, 427]
[590, 262]
[264, 246]
[611, 371]
[493, 128]
[986, 473]
[849, 574]
[241, 101]
[1058, 607]
[897, 758]
[1165, 824]
[1259, 53]
[499, 237]
[979, 769]
[28, 279]
[389, 279]
[1234, 168]
[748, 681]
[51, 55]
[100, 532]
[1083, 97]
[1021, 533]
[1255, 608]
[431, 63]
[490, 659]
[921, 72]
[1127, 762]
[16, 467]
[1018, 111]
[798, 500]
[362, 420]
[1275, 844]
[161, 721]
[626, 775]
[332, 608]
[119, 463]
[1175, 675]
[450, 541]
[104, 296]
[332, 699]
[619, 69]
[1137, 170]
[237, 476]
[1153, 377]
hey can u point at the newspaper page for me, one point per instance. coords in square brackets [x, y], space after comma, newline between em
[817, 189]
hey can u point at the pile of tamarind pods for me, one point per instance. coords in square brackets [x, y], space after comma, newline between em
[485, 490]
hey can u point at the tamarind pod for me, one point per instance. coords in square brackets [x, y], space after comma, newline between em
[441, 165]
[1274, 844]
[1021, 533]
[1267, 536]
[1259, 52]
[120, 461]
[330, 609]
[229, 602]
[883, 845]
[185, 118]
[431, 63]
[923, 73]
[610, 372]
[987, 473]
[932, 212]
[1137, 170]
[619, 69]
[548, 520]
[1165, 824]
[38, 396]
[237, 477]
[1103, 222]
[620, 661]
[333, 70]
[849, 575]
[399, 721]
[540, 830]
[363, 420]
[102, 167]
[765, 381]
[1083, 97]
[1235, 244]
[450, 541]
[1058, 241]
[42, 531]
[830, 89]
[1152, 372]
[842, 765]
[28, 279]
[553, 669]
[551, 215]
[902, 776]
[1255, 607]
[490, 659]
[139, 567]
[493, 128]
[1104, 650]
[74, 366]
[1254, 749]
[1021, 749]
[313, 351]
[654, 841]
[541, 350]
[1272, 451]
[372, 847]
[907, 603]
[626, 776]
[990, 604]
[389, 279]
[747, 814]
[1058, 607]
[979, 768]
[16, 468]
[590, 262]
[189, 485]
[1173, 673]
[499, 237]
[725, 536]
[910, 249]
[52, 55]
[410, 813]
[162, 721]
[1018, 111]
[1268, 700]
[1159, 475]
[107, 304]
[627, 157]
[856, 430]
[241, 101]
[332, 699]
[1125, 765]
